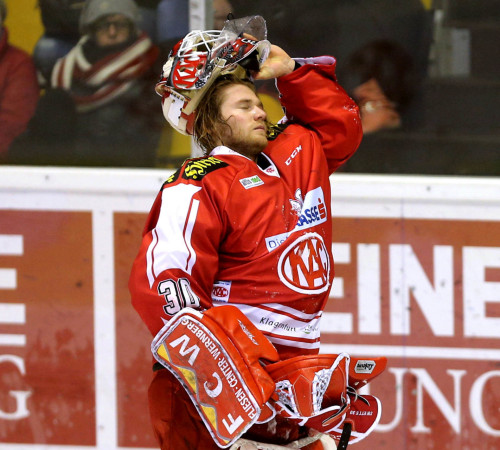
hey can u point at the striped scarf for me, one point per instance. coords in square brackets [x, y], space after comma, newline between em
[106, 79]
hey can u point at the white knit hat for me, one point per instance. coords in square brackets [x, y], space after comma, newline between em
[95, 9]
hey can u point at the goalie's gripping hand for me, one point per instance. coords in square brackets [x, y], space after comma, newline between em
[320, 392]
[216, 357]
[277, 64]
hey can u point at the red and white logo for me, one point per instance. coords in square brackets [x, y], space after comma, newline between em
[305, 265]
[221, 291]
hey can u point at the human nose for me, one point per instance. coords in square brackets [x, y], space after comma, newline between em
[259, 113]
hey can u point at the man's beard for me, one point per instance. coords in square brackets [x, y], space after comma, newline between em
[246, 147]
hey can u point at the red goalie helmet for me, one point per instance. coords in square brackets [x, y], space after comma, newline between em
[200, 57]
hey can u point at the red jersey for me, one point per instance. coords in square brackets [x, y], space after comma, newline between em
[258, 235]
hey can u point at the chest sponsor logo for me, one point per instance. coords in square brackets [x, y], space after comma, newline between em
[304, 266]
[251, 182]
[221, 291]
[312, 212]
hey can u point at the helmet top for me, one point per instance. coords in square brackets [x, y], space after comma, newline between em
[200, 57]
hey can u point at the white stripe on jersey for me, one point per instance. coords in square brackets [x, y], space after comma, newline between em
[284, 325]
[171, 244]
[149, 257]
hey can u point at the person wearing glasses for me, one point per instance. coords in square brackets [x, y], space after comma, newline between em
[108, 71]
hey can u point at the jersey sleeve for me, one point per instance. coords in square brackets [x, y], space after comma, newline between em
[312, 97]
[178, 257]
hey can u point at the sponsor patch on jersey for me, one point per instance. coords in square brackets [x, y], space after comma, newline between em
[196, 169]
[251, 182]
[221, 291]
[364, 366]
[275, 241]
[304, 266]
[312, 212]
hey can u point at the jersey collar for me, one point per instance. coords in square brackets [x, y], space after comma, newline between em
[269, 169]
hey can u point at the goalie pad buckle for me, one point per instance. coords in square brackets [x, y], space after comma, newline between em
[229, 390]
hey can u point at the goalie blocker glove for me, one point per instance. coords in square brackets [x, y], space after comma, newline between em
[216, 356]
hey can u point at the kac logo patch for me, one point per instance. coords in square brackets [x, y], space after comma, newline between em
[304, 266]
[221, 291]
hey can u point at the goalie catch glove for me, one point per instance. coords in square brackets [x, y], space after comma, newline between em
[319, 392]
[216, 356]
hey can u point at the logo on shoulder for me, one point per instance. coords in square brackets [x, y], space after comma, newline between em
[276, 130]
[295, 152]
[196, 169]
[364, 366]
[173, 177]
[251, 182]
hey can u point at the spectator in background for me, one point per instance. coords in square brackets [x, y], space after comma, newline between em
[398, 32]
[382, 79]
[108, 76]
[61, 18]
[60, 21]
[19, 91]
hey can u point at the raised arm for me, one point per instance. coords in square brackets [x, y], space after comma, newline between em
[312, 97]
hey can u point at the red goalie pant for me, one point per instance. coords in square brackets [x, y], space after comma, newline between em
[176, 423]
[178, 426]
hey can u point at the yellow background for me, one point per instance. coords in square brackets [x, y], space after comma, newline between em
[24, 23]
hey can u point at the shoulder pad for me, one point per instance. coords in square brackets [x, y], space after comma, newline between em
[275, 130]
[196, 168]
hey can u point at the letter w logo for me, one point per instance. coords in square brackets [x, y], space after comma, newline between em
[183, 351]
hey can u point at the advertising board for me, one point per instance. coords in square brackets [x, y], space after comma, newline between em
[417, 263]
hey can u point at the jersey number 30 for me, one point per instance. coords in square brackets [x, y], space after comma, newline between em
[178, 295]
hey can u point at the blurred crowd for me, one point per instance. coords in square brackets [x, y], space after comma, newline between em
[86, 95]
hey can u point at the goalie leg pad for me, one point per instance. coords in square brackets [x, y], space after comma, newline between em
[225, 386]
